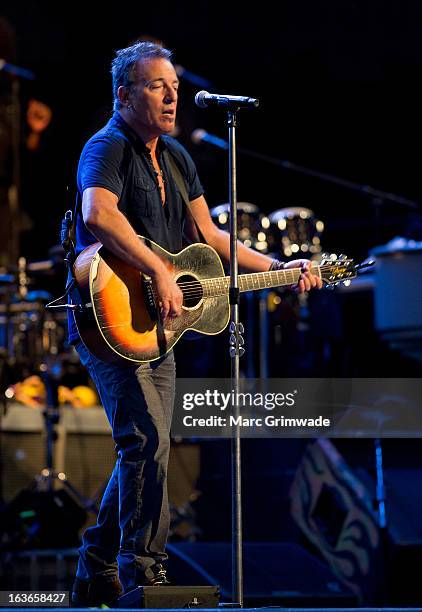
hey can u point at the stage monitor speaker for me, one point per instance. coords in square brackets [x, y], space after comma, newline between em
[274, 573]
[167, 596]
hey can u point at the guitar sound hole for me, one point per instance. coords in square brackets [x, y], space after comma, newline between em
[192, 290]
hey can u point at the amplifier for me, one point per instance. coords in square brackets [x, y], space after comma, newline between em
[398, 297]
[85, 451]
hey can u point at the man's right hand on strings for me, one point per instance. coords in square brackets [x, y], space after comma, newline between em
[168, 295]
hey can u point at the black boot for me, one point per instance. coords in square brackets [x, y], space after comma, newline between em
[96, 592]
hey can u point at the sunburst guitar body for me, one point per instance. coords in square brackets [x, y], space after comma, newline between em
[118, 318]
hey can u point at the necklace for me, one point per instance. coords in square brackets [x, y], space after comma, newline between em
[159, 173]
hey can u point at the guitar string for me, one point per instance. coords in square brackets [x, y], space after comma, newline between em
[197, 288]
[243, 277]
[210, 284]
[200, 292]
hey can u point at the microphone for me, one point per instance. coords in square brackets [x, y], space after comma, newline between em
[203, 99]
[200, 135]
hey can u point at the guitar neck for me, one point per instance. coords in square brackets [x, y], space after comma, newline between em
[254, 282]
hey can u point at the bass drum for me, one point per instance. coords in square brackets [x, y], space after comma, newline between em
[294, 232]
[252, 225]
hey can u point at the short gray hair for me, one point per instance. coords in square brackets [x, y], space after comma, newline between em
[125, 60]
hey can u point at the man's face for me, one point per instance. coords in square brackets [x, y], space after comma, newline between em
[154, 96]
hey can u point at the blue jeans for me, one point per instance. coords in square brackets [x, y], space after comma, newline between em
[132, 525]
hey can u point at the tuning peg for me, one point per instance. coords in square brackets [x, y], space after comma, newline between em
[346, 283]
[342, 256]
[333, 256]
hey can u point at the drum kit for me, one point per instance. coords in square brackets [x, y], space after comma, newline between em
[30, 334]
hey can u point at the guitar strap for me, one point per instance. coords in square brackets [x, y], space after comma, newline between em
[179, 180]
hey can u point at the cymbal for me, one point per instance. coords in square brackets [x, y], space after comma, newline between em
[246, 207]
[290, 212]
[40, 267]
[56, 259]
[45, 266]
[22, 307]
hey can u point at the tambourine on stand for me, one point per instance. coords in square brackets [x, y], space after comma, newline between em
[287, 233]
[295, 232]
[252, 224]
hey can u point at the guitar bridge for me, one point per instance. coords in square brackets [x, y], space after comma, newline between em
[149, 297]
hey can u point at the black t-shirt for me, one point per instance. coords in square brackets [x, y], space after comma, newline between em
[116, 159]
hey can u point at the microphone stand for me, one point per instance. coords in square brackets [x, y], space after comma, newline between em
[236, 350]
[236, 341]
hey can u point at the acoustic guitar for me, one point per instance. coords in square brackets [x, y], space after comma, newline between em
[119, 315]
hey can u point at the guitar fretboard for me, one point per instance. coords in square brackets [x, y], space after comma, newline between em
[213, 287]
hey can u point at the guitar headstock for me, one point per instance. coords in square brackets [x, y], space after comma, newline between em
[337, 269]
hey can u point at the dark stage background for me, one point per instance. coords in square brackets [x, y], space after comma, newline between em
[338, 83]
